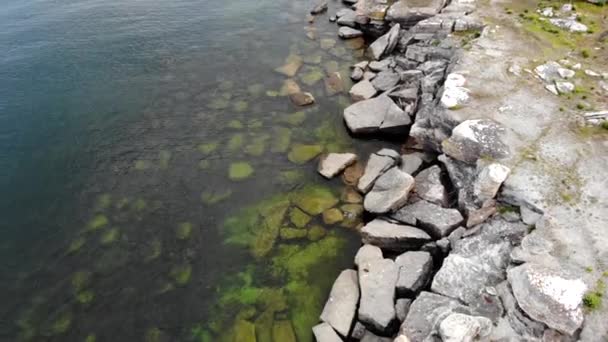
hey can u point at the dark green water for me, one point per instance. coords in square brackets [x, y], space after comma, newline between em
[119, 123]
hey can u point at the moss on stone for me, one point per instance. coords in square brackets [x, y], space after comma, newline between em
[257, 146]
[301, 153]
[235, 124]
[140, 204]
[181, 274]
[85, 297]
[316, 233]
[281, 140]
[287, 233]
[255, 89]
[283, 331]
[312, 75]
[219, 103]
[240, 106]
[204, 164]
[97, 222]
[81, 280]
[109, 236]
[263, 326]
[90, 338]
[314, 199]
[210, 197]
[332, 216]
[235, 143]
[153, 250]
[290, 176]
[299, 218]
[104, 201]
[183, 231]
[208, 148]
[61, 324]
[76, 245]
[240, 171]
[272, 93]
[352, 215]
[141, 165]
[294, 119]
[244, 331]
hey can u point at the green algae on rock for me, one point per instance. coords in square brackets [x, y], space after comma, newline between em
[282, 139]
[257, 146]
[240, 106]
[294, 119]
[76, 245]
[85, 297]
[301, 154]
[235, 124]
[235, 142]
[210, 197]
[103, 202]
[316, 233]
[332, 216]
[183, 231]
[208, 148]
[239, 171]
[287, 233]
[283, 331]
[244, 331]
[109, 236]
[299, 218]
[181, 274]
[80, 280]
[290, 176]
[313, 76]
[153, 250]
[97, 222]
[314, 199]
[164, 157]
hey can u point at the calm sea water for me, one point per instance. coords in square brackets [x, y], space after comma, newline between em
[119, 124]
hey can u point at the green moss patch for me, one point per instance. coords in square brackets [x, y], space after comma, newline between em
[299, 218]
[281, 140]
[294, 119]
[301, 154]
[314, 199]
[240, 171]
[208, 148]
[210, 197]
[109, 236]
[181, 274]
[183, 231]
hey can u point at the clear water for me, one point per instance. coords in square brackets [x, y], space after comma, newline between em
[119, 122]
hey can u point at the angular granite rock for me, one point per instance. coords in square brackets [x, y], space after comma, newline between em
[463, 176]
[340, 308]
[410, 163]
[376, 114]
[409, 13]
[437, 221]
[474, 139]
[549, 295]
[334, 163]
[377, 279]
[367, 253]
[385, 80]
[489, 181]
[402, 307]
[376, 166]
[325, 333]
[390, 192]
[392, 236]
[429, 186]
[362, 90]
[414, 271]
[459, 327]
[384, 45]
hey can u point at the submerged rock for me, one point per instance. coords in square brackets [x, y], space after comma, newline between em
[302, 98]
[414, 272]
[376, 114]
[319, 7]
[333, 84]
[340, 308]
[291, 66]
[334, 163]
[283, 331]
[240, 171]
[301, 154]
[549, 295]
[377, 279]
[392, 236]
[474, 139]
[390, 192]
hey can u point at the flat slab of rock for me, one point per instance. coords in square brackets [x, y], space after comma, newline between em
[390, 192]
[386, 43]
[474, 139]
[376, 166]
[340, 308]
[436, 220]
[549, 295]
[346, 32]
[325, 333]
[392, 236]
[386, 80]
[414, 271]
[376, 114]
[334, 163]
[429, 186]
[367, 253]
[410, 12]
[362, 90]
[425, 313]
[377, 279]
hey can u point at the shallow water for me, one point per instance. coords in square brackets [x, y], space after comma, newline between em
[119, 125]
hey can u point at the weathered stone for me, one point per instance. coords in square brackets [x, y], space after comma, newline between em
[474, 139]
[369, 75]
[382, 65]
[414, 271]
[548, 72]
[425, 313]
[325, 333]
[356, 74]
[291, 67]
[459, 327]
[410, 12]
[346, 32]
[334, 163]
[377, 279]
[368, 336]
[282, 330]
[376, 114]
[462, 176]
[289, 87]
[402, 307]
[319, 7]
[390, 192]
[352, 174]
[362, 90]
[302, 98]
[533, 247]
[385, 44]
[392, 236]
[348, 19]
[410, 163]
[519, 322]
[367, 253]
[358, 331]
[340, 308]
[549, 295]
[480, 215]
[429, 186]
[385, 80]
[564, 87]
[571, 25]
[376, 166]
[454, 93]
[332, 216]
[489, 181]
[437, 221]
[350, 195]
[333, 84]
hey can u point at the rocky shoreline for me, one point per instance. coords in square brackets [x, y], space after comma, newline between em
[449, 254]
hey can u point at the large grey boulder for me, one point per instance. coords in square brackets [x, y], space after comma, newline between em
[426, 313]
[386, 80]
[429, 186]
[409, 13]
[377, 279]
[367, 253]
[549, 295]
[392, 236]
[334, 163]
[414, 271]
[341, 307]
[377, 164]
[489, 180]
[459, 327]
[325, 333]
[474, 139]
[390, 192]
[436, 220]
[385, 44]
[478, 262]
[376, 114]
[362, 90]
